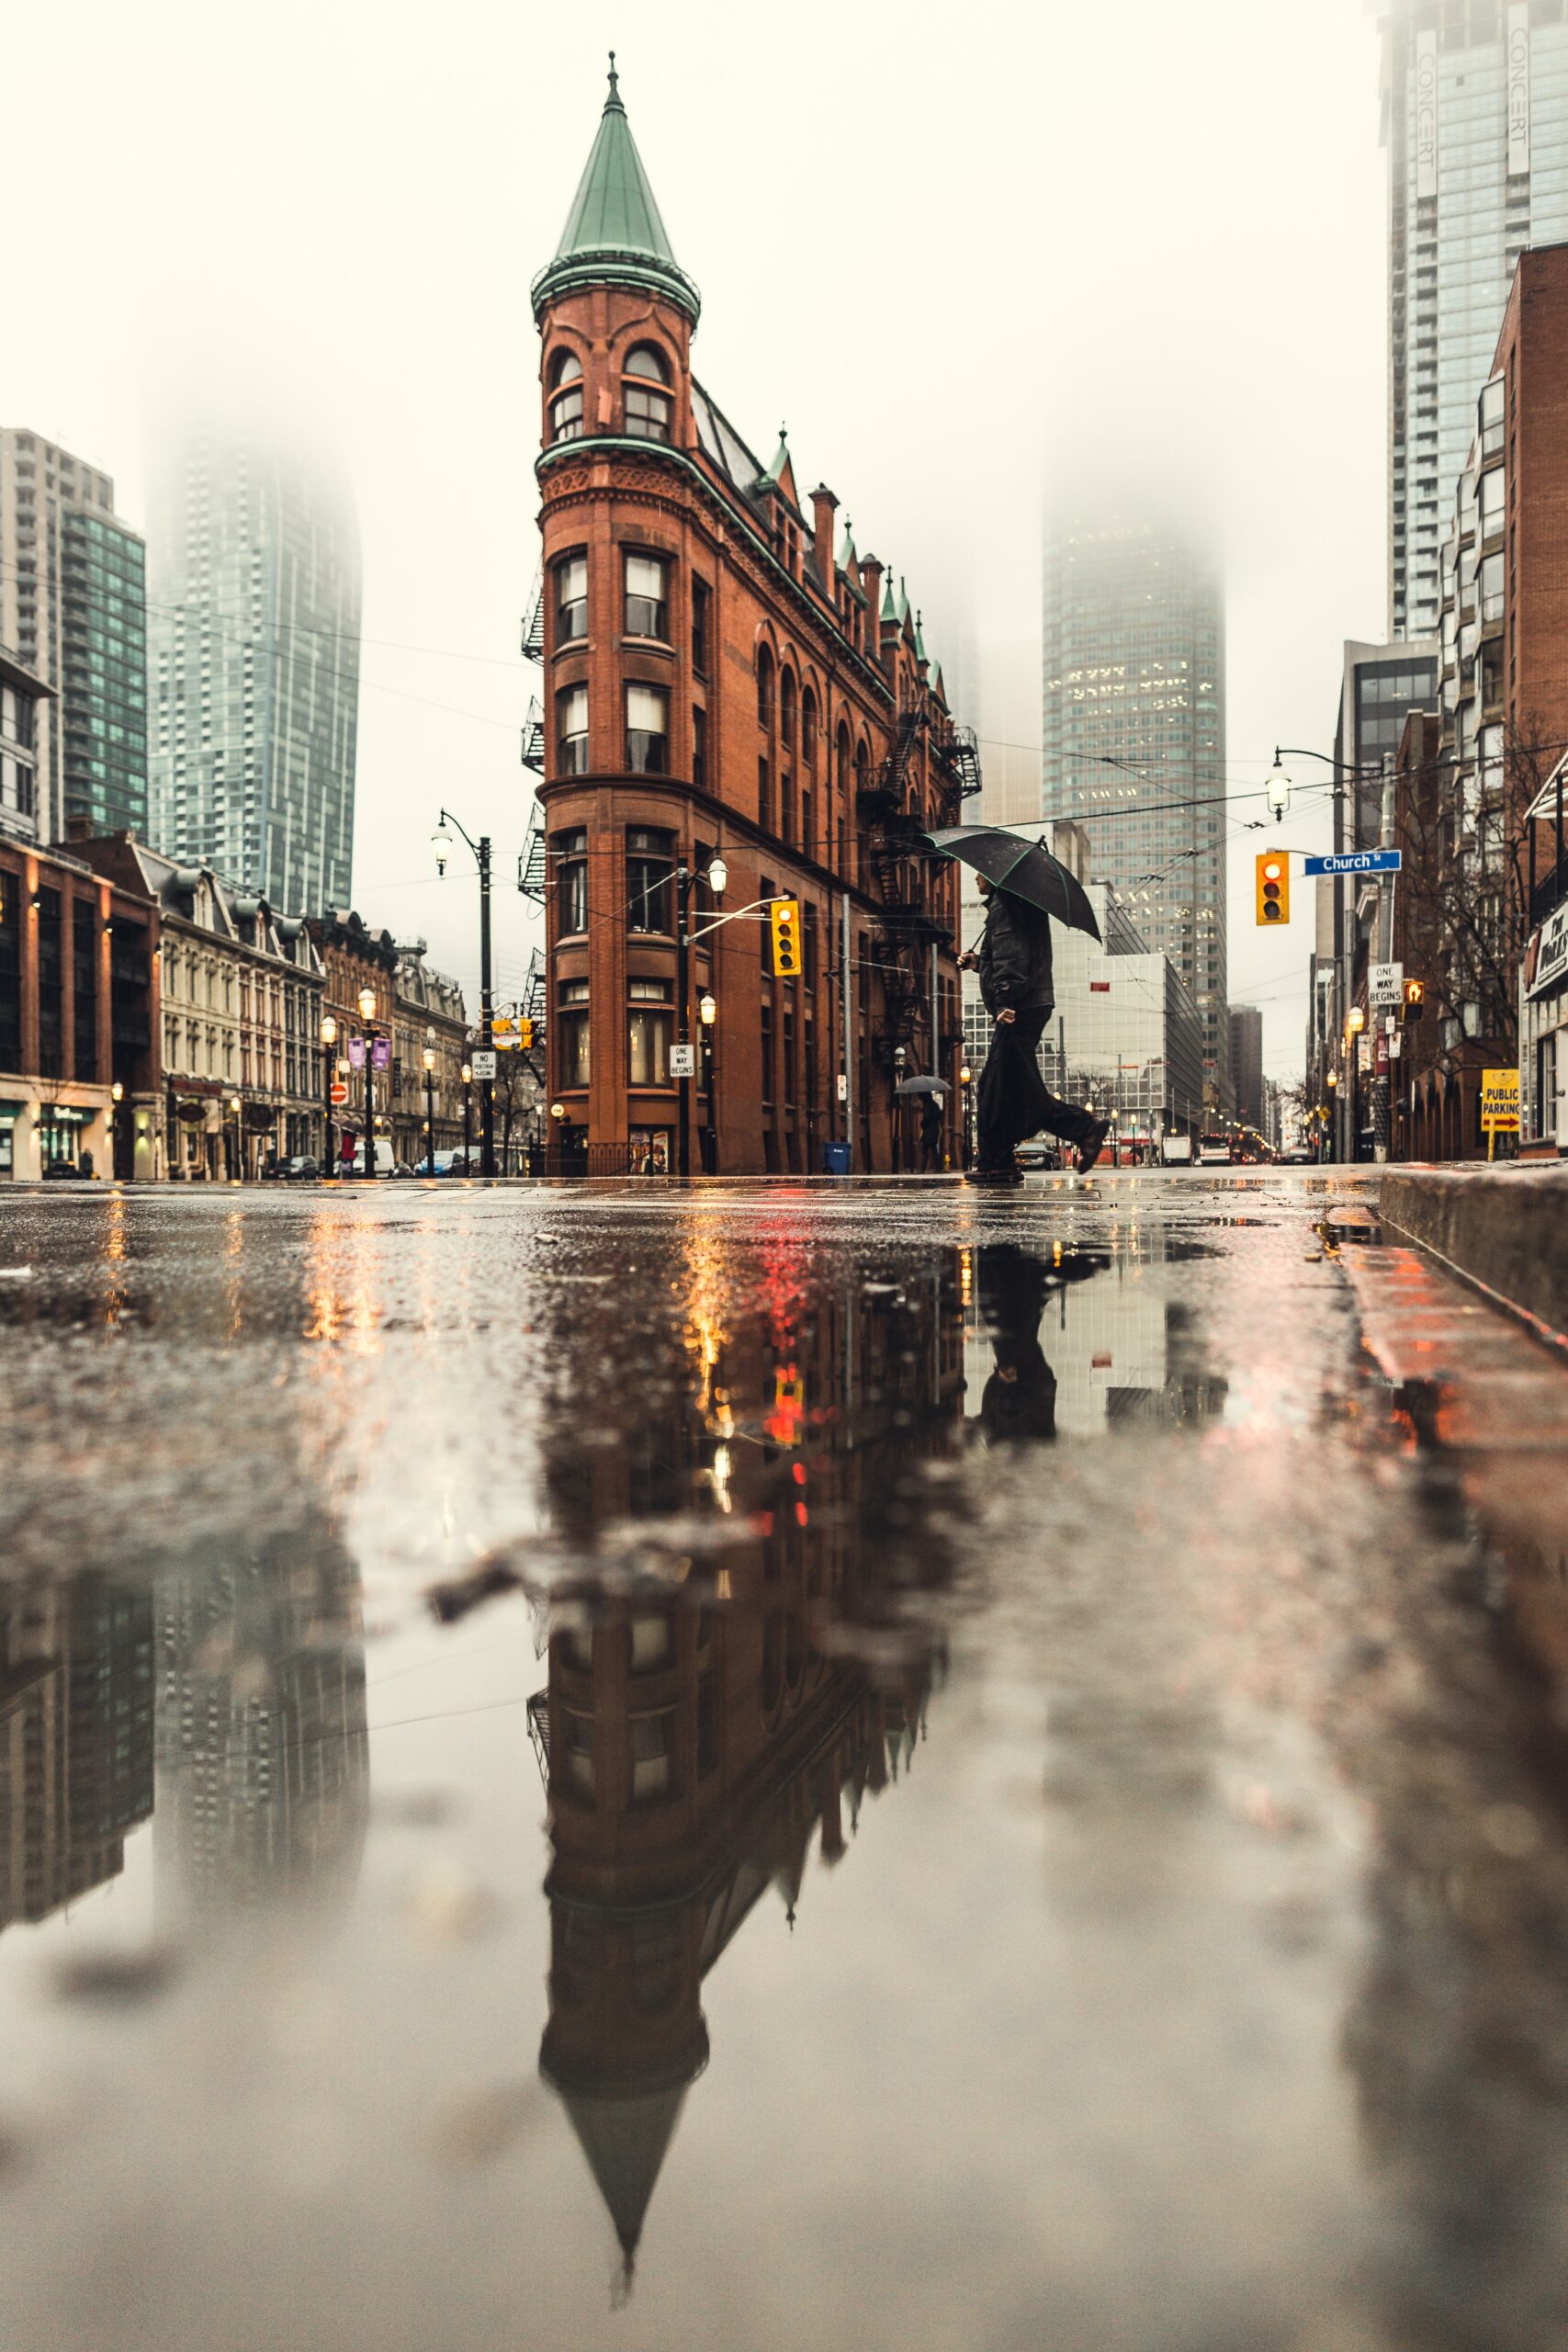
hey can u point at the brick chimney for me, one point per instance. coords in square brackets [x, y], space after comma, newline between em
[78, 827]
[824, 506]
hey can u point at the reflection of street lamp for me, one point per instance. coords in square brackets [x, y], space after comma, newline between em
[429, 1105]
[329, 1039]
[117, 1096]
[966, 1101]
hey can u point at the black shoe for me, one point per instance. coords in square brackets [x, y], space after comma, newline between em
[994, 1176]
[1089, 1150]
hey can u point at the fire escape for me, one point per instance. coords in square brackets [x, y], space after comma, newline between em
[901, 868]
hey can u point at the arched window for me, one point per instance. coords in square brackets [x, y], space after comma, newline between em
[809, 727]
[786, 709]
[841, 759]
[862, 768]
[764, 687]
[647, 411]
[565, 396]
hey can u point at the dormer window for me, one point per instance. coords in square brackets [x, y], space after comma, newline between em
[647, 405]
[566, 403]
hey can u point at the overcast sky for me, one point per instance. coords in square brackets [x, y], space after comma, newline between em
[962, 252]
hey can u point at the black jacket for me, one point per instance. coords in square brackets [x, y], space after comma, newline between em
[1014, 957]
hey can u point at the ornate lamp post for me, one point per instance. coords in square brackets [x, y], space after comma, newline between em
[117, 1096]
[468, 1115]
[367, 1014]
[707, 1013]
[239, 1175]
[430, 1104]
[442, 843]
[329, 1039]
[965, 1103]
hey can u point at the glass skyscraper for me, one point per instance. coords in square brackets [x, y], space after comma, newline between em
[255, 632]
[73, 605]
[1134, 739]
[1475, 122]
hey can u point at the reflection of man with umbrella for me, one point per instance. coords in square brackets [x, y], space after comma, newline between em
[1020, 1398]
[1023, 885]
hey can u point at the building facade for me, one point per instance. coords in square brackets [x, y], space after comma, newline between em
[1247, 1064]
[723, 681]
[1475, 123]
[428, 1015]
[74, 604]
[78, 1018]
[354, 959]
[1133, 739]
[255, 666]
[241, 1004]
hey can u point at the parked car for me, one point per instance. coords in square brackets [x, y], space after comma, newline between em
[300, 1169]
[61, 1167]
[456, 1163]
[1038, 1154]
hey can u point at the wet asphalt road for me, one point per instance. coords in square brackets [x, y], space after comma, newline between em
[854, 1766]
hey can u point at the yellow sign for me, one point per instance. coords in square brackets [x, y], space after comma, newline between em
[1500, 1101]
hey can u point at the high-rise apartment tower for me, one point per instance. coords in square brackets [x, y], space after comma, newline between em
[73, 605]
[1133, 738]
[255, 667]
[1476, 122]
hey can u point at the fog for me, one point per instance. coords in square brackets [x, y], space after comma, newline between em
[964, 254]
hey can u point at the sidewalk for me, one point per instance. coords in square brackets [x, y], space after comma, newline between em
[1506, 1230]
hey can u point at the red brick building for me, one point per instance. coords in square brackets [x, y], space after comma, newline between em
[721, 678]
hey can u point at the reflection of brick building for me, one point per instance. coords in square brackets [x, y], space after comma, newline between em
[75, 1739]
[704, 1726]
[723, 673]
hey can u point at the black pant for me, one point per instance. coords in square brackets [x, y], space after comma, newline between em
[1013, 1102]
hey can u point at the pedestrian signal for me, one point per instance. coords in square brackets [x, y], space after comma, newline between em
[1415, 1003]
[1274, 886]
[526, 1035]
[784, 915]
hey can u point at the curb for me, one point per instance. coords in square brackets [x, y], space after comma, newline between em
[1506, 1234]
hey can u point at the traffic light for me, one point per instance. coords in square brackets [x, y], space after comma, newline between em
[526, 1035]
[784, 916]
[1274, 886]
[1415, 1003]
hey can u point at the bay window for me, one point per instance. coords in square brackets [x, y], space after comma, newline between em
[571, 1023]
[647, 731]
[647, 599]
[650, 871]
[568, 854]
[572, 599]
[571, 732]
[650, 1023]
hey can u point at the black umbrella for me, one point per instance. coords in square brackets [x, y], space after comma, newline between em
[1027, 869]
[921, 1086]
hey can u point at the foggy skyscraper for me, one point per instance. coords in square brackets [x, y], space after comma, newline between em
[253, 630]
[1133, 738]
[1475, 122]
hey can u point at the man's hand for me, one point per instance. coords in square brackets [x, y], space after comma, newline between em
[1005, 1016]
[969, 961]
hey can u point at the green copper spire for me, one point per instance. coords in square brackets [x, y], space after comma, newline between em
[903, 613]
[919, 640]
[615, 232]
[890, 609]
[781, 457]
[847, 556]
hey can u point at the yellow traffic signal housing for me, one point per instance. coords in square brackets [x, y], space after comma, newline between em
[1415, 1003]
[784, 916]
[526, 1035]
[1274, 886]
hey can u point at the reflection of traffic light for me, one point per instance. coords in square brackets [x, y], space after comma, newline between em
[526, 1035]
[1415, 1003]
[1274, 886]
[784, 914]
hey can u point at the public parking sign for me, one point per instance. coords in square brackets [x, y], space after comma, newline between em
[484, 1063]
[1357, 861]
[1500, 1101]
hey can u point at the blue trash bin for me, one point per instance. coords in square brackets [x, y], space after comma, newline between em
[835, 1159]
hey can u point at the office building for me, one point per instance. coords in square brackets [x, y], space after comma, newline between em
[1476, 122]
[1134, 739]
[74, 606]
[728, 676]
[254, 586]
[1247, 1064]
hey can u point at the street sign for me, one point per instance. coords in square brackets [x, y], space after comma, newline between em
[339, 1092]
[1395, 1046]
[1357, 861]
[484, 1063]
[682, 1061]
[505, 1045]
[1500, 1101]
[1385, 983]
[843, 1086]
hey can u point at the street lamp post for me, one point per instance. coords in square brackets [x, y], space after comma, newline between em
[686, 880]
[901, 1057]
[329, 1039]
[441, 841]
[367, 1014]
[239, 1176]
[117, 1096]
[429, 1105]
[707, 1013]
[467, 1115]
[965, 1099]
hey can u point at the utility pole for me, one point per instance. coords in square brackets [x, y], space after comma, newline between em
[441, 841]
[683, 880]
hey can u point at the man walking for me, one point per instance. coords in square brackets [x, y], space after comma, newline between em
[1012, 1101]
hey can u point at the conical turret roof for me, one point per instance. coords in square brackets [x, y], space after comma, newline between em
[615, 232]
[625, 2141]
